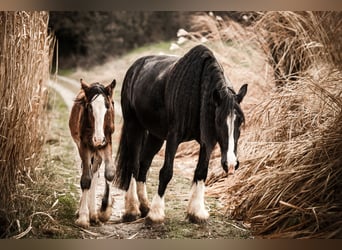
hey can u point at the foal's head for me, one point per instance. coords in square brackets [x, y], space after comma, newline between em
[228, 120]
[98, 117]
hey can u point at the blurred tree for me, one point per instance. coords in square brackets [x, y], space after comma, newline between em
[88, 38]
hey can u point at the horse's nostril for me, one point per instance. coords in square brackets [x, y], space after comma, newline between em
[225, 166]
[237, 165]
[97, 141]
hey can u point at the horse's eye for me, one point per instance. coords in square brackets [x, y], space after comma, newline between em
[107, 105]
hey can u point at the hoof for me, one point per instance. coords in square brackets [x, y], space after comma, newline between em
[150, 221]
[144, 211]
[94, 220]
[82, 223]
[105, 215]
[155, 218]
[197, 219]
[130, 217]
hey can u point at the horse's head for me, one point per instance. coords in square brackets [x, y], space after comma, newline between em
[228, 120]
[98, 120]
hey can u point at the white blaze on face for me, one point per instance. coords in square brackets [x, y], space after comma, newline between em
[232, 160]
[99, 111]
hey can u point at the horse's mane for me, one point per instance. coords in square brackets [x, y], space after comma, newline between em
[94, 90]
[189, 92]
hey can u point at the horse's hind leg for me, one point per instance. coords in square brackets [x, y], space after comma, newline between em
[134, 141]
[150, 148]
[156, 213]
[196, 211]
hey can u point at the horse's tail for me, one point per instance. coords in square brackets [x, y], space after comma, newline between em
[125, 167]
[123, 171]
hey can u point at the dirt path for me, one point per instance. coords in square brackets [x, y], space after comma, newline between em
[176, 199]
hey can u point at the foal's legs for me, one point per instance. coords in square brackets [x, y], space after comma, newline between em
[156, 213]
[96, 161]
[150, 148]
[196, 211]
[83, 214]
[106, 206]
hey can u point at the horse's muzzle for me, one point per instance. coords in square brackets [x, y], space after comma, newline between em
[231, 168]
[99, 143]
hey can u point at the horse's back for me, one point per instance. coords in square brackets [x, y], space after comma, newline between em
[143, 92]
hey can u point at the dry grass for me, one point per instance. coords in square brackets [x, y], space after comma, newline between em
[288, 185]
[294, 41]
[25, 49]
[291, 149]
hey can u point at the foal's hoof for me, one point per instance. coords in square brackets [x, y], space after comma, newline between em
[105, 215]
[130, 217]
[197, 219]
[94, 220]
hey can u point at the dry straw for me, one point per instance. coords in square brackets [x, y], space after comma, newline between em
[25, 51]
[289, 182]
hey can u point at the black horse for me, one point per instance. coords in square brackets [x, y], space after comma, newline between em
[177, 100]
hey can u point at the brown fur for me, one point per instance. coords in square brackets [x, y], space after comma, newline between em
[81, 124]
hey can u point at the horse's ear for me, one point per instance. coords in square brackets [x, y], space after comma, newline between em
[217, 97]
[242, 93]
[84, 85]
[110, 87]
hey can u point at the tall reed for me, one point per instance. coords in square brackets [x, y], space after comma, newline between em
[288, 184]
[25, 52]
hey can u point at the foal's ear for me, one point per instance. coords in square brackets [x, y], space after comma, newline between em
[242, 93]
[84, 85]
[110, 87]
[217, 97]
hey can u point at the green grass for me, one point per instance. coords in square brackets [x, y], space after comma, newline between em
[155, 47]
[66, 72]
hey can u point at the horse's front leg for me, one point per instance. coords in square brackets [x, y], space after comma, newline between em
[105, 210]
[196, 212]
[86, 177]
[156, 213]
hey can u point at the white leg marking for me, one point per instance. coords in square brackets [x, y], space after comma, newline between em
[110, 200]
[142, 194]
[83, 213]
[196, 205]
[232, 160]
[92, 198]
[156, 213]
[131, 199]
